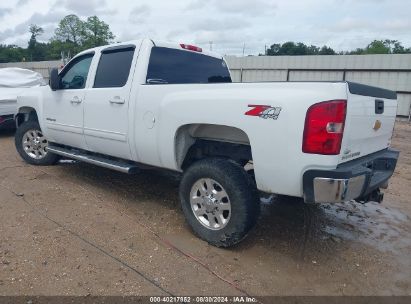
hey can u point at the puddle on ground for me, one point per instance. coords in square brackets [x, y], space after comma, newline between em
[383, 228]
[305, 229]
[293, 223]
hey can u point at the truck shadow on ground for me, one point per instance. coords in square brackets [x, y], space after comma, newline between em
[7, 133]
[287, 225]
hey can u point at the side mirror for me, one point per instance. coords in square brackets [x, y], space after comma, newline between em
[54, 79]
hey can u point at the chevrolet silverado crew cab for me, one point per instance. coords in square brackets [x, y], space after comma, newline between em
[174, 106]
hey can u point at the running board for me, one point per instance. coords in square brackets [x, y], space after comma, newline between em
[117, 165]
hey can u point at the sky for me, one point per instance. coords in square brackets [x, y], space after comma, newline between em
[231, 25]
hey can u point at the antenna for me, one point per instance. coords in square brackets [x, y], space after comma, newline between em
[211, 45]
[241, 64]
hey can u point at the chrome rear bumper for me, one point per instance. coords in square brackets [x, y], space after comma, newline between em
[337, 190]
[354, 180]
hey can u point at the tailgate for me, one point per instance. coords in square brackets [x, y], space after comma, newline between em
[370, 120]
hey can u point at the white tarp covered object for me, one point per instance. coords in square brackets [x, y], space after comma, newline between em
[20, 78]
[14, 82]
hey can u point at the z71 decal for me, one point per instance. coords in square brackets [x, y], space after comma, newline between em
[264, 112]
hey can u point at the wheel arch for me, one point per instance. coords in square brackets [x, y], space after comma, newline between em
[26, 114]
[197, 141]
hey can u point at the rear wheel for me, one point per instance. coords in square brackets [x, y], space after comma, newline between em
[219, 200]
[32, 145]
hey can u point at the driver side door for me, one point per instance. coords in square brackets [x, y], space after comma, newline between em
[64, 112]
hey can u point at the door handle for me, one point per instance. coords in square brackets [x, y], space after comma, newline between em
[117, 100]
[76, 100]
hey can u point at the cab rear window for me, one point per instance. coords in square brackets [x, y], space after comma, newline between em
[172, 66]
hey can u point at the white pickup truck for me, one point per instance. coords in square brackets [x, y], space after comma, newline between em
[173, 106]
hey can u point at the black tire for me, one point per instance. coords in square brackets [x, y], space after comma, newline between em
[242, 193]
[47, 160]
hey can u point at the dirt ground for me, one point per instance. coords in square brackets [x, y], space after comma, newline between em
[76, 229]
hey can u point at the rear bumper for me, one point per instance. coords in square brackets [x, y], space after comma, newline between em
[353, 180]
[7, 122]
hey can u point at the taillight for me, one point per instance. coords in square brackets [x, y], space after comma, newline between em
[191, 48]
[324, 127]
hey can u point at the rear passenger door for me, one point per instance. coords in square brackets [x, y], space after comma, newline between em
[106, 108]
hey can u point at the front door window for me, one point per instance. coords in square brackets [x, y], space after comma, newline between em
[75, 75]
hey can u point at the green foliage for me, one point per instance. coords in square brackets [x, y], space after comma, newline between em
[70, 29]
[375, 47]
[74, 35]
[382, 47]
[378, 47]
[35, 32]
[71, 36]
[325, 50]
[292, 48]
[96, 33]
[36, 51]
[299, 48]
[12, 53]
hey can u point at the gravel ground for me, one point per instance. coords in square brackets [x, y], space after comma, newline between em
[76, 229]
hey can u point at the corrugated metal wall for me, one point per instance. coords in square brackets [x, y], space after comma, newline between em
[387, 71]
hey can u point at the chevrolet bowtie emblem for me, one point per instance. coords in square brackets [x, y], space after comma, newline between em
[377, 125]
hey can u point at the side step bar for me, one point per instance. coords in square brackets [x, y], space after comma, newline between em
[94, 159]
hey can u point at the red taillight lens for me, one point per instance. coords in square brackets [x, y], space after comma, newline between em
[324, 127]
[191, 48]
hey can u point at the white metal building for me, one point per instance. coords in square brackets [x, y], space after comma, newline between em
[387, 71]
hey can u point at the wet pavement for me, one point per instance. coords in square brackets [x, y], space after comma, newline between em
[76, 229]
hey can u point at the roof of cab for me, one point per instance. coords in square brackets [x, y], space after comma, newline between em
[171, 45]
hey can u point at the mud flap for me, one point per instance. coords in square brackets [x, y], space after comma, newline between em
[374, 196]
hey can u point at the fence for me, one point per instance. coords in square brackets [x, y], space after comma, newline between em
[387, 71]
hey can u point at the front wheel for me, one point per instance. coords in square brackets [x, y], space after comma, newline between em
[32, 145]
[219, 200]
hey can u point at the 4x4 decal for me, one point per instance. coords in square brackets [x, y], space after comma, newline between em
[264, 111]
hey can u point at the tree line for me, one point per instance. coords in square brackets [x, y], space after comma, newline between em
[71, 36]
[74, 35]
[375, 47]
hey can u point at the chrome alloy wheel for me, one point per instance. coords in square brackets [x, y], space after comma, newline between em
[210, 204]
[35, 144]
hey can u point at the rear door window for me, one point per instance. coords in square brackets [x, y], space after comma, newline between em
[114, 68]
[172, 66]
